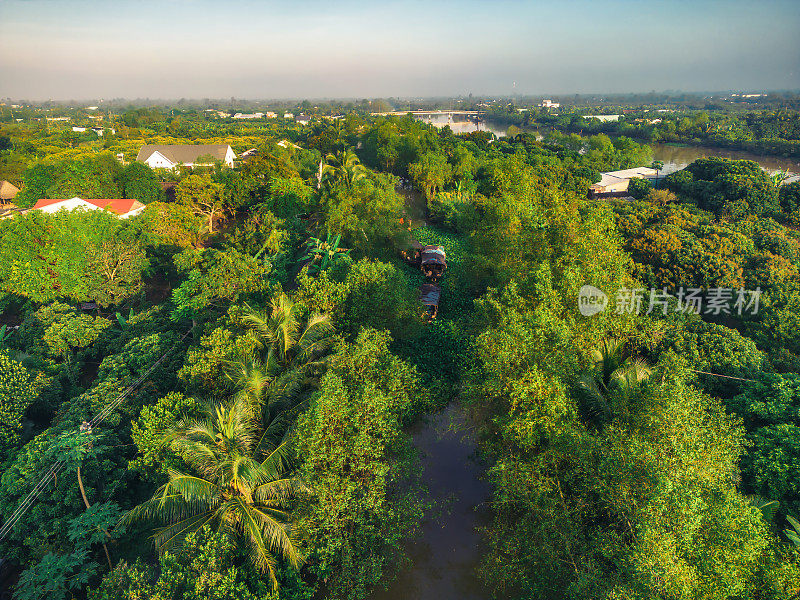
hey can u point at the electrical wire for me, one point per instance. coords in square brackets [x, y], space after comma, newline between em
[57, 466]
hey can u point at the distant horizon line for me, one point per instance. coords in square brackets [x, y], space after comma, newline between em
[474, 96]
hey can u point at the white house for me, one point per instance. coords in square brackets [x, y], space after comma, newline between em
[97, 130]
[549, 104]
[603, 117]
[288, 115]
[123, 208]
[257, 115]
[158, 156]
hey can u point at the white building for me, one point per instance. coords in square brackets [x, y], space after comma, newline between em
[257, 115]
[288, 115]
[603, 117]
[98, 130]
[158, 156]
[549, 104]
[615, 182]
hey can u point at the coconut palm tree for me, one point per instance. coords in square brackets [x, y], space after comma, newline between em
[612, 380]
[291, 359]
[342, 167]
[239, 483]
[287, 340]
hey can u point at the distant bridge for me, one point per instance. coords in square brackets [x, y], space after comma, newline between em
[401, 113]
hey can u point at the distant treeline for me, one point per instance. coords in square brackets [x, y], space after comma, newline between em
[765, 132]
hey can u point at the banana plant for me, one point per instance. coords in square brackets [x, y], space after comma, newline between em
[778, 178]
[4, 335]
[324, 252]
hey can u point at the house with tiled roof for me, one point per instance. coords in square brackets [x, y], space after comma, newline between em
[121, 207]
[169, 156]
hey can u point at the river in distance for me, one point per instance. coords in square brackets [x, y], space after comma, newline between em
[674, 156]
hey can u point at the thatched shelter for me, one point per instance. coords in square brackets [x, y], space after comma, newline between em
[8, 191]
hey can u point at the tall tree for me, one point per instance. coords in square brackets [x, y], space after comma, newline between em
[140, 182]
[239, 482]
[204, 197]
[342, 167]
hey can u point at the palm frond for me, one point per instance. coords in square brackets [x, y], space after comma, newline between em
[171, 535]
[793, 534]
[276, 535]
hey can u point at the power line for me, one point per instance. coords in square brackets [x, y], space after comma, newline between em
[57, 466]
[725, 376]
[103, 414]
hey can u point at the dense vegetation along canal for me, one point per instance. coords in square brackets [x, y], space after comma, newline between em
[446, 554]
[674, 156]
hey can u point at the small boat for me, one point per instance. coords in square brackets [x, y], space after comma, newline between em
[429, 296]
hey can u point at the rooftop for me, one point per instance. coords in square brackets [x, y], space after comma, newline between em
[183, 153]
[617, 176]
[119, 206]
[8, 191]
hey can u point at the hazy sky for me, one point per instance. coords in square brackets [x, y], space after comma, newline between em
[80, 49]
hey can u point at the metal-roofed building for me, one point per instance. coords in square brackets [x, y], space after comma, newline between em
[169, 156]
[616, 182]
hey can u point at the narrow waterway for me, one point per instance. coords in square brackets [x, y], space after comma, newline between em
[445, 556]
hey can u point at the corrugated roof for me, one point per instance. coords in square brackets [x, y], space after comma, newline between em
[183, 153]
[433, 255]
[8, 191]
[429, 294]
[612, 177]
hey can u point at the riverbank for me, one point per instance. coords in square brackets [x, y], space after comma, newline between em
[677, 156]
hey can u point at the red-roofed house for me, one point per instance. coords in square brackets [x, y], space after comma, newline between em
[122, 207]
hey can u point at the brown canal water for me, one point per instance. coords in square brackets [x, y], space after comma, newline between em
[677, 157]
[444, 558]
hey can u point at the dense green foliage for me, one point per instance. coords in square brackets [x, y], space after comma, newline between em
[78, 256]
[270, 454]
[767, 131]
[725, 187]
